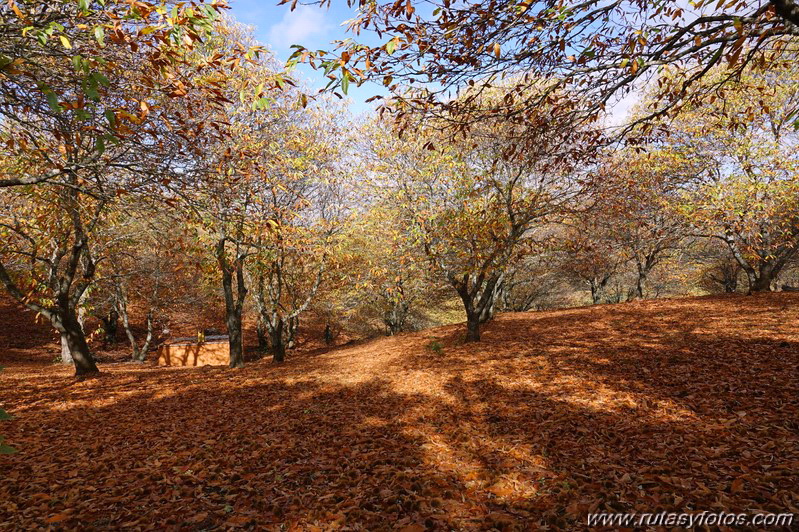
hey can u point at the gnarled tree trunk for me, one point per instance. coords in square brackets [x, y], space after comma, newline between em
[477, 293]
[66, 323]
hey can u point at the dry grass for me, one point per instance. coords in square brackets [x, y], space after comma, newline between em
[674, 405]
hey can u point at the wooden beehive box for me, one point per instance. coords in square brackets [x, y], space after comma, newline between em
[214, 351]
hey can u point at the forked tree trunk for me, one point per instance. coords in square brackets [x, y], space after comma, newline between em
[282, 328]
[759, 279]
[478, 296]
[67, 297]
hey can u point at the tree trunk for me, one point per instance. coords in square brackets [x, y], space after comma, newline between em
[487, 313]
[761, 283]
[81, 314]
[63, 318]
[478, 302]
[596, 296]
[765, 275]
[235, 338]
[68, 325]
[233, 305]
[473, 327]
[291, 331]
[121, 302]
[66, 356]
[501, 297]
[110, 327]
[729, 279]
[640, 281]
[395, 318]
[263, 336]
[278, 345]
[140, 355]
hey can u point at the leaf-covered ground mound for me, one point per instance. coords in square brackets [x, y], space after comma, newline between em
[675, 405]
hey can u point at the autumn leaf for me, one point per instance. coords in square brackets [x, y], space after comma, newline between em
[57, 518]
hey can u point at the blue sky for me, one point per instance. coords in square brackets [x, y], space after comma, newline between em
[278, 28]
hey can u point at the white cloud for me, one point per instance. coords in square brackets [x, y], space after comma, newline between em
[298, 26]
[619, 109]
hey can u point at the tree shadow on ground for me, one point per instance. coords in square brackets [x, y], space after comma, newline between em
[546, 420]
[218, 451]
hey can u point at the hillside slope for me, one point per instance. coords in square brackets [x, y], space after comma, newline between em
[668, 405]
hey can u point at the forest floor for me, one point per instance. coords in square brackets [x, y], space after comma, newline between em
[666, 405]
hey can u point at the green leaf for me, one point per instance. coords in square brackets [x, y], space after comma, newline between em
[101, 79]
[345, 82]
[262, 103]
[391, 46]
[6, 449]
[52, 101]
[99, 34]
[90, 89]
[4, 415]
